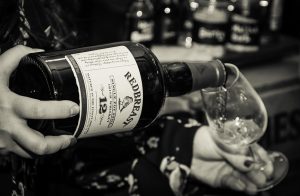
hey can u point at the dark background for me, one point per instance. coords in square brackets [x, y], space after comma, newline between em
[111, 15]
[103, 21]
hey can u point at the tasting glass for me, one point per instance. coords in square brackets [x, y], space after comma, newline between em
[238, 118]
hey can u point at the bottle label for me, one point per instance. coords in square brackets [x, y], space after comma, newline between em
[213, 34]
[110, 90]
[210, 27]
[244, 31]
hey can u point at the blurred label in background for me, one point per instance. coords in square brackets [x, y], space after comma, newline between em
[278, 84]
[283, 133]
[245, 26]
[210, 26]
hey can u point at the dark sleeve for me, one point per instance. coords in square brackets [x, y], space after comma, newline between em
[157, 160]
[168, 166]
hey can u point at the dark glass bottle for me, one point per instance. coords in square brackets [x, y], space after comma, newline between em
[271, 15]
[140, 22]
[245, 28]
[167, 22]
[210, 26]
[187, 8]
[119, 86]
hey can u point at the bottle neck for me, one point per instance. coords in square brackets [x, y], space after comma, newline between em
[178, 79]
[182, 78]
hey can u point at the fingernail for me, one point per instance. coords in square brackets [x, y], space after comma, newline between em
[74, 110]
[73, 141]
[248, 163]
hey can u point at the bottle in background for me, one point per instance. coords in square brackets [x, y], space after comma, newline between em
[245, 28]
[119, 86]
[188, 7]
[276, 18]
[210, 26]
[140, 22]
[167, 22]
[272, 17]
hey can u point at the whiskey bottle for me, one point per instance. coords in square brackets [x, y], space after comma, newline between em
[119, 86]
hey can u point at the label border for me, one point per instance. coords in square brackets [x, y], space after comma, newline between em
[82, 95]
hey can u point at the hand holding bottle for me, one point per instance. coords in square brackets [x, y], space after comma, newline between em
[15, 135]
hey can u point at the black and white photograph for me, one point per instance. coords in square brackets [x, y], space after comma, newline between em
[149, 98]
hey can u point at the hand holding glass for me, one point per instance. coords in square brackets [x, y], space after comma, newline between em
[239, 118]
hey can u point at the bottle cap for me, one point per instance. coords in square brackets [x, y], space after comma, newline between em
[207, 74]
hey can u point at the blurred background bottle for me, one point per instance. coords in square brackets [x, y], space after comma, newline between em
[245, 26]
[272, 17]
[167, 22]
[275, 17]
[210, 26]
[140, 22]
[188, 7]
